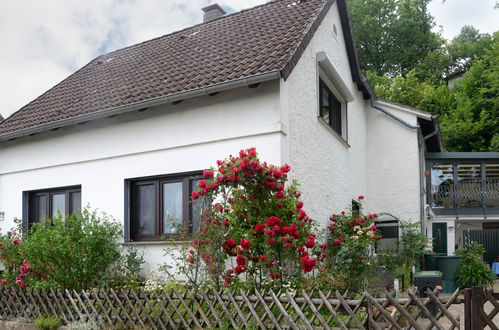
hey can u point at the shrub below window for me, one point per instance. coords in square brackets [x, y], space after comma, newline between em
[74, 252]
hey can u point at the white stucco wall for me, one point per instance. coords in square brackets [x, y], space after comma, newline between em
[167, 139]
[393, 164]
[330, 172]
[381, 159]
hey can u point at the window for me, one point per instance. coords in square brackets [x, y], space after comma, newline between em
[162, 207]
[331, 109]
[389, 231]
[48, 203]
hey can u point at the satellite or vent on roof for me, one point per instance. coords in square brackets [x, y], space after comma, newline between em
[212, 11]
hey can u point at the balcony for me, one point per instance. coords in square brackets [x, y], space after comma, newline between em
[463, 184]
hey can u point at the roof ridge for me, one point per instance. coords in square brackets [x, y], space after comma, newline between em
[194, 26]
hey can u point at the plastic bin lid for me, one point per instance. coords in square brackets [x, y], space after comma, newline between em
[428, 273]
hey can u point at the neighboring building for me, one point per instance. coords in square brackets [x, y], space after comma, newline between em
[130, 132]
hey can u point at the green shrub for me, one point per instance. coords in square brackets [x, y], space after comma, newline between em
[75, 252]
[473, 271]
[48, 323]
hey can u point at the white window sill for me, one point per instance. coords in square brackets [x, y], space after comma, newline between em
[339, 137]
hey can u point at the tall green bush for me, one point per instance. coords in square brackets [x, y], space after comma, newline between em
[76, 251]
[473, 271]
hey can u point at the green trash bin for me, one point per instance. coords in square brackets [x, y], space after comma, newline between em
[430, 260]
[448, 266]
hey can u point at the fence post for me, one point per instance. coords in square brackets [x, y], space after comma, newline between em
[476, 307]
[467, 309]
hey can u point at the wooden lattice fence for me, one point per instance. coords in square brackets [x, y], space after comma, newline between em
[226, 309]
[477, 315]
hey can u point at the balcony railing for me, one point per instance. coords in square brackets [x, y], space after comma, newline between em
[463, 184]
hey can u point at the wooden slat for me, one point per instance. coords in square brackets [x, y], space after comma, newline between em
[165, 312]
[268, 311]
[284, 313]
[332, 310]
[423, 308]
[443, 310]
[64, 303]
[315, 311]
[224, 308]
[403, 312]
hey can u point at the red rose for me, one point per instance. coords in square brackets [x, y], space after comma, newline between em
[271, 240]
[208, 174]
[245, 244]
[275, 276]
[1, 244]
[191, 260]
[252, 152]
[283, 239]
[287, 245]
[195, 195]
[360, 197]
[263, 258]
[308, 264]
[4, 282]
[240, 260]
[338, 241]
[279, 195]
[273, 221]
[299, 205]
[259, 228]
[240, 269]
[285, 169]
[310, 243]
[374, 228]
[15, 242]
[22, 285]
[202, 184]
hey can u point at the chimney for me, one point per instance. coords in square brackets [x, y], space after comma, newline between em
[212, 11]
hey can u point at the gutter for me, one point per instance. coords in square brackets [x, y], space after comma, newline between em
[373, 99]
[170, 98]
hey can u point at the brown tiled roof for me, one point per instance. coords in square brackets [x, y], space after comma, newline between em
[262, 39]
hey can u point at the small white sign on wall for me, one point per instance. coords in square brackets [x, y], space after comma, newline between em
[2, 216]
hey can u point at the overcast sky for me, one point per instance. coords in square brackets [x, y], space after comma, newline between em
[42, 42]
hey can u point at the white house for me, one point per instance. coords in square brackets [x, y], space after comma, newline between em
[129, 132]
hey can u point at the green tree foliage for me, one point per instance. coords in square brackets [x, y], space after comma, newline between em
[408, 63]
[392, 36]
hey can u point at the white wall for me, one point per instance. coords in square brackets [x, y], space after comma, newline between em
[381, 159]
[393, 164]
[331, 173]
[167, 139]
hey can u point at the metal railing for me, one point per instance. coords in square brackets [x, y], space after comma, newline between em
[463, 184]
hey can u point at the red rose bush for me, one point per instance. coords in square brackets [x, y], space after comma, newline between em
[254, 228]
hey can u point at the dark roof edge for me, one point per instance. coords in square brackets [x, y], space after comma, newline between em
[362, 83]
[179, 96]
[307, 37]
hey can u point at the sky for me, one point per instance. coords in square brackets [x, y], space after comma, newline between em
[42, 42]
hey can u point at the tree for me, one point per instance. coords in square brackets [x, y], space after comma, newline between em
[392, 36]
[468, 46]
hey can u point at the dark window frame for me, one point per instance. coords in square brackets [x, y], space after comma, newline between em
[334, 111]
[158, 180]
[28, 211]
